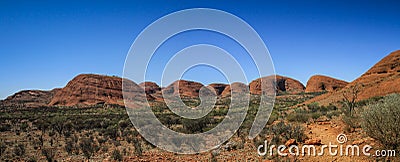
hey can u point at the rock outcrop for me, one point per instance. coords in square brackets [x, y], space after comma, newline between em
[234, 88]
[320, 83]
[150, 87]
[218, 87]
[184, 88]
[380, 80]
[152, 90]
[90, 89]
[29, 98]
[280, 83]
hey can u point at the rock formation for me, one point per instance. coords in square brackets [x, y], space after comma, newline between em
[320, 83]
[29, 98]
[235, 87]
[380, 80]
[90, 89]
[218, 87]
[184, 88]
[281, 84]
[150, 87]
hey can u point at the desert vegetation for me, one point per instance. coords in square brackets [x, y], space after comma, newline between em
[102, 132]
[105, 132]
[53, 132]
[381, 121]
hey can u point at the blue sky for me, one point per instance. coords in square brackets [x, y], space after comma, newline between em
[44, 44]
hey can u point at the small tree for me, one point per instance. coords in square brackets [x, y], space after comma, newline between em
[58, 123]
[350, 97]
[138, 146]
[195, 125]
[88, 147]
[68, 126]
[111, 132]
[381, 121]
[69, 146]
[42, 125]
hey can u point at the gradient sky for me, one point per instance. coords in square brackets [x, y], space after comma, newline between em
[44, 44]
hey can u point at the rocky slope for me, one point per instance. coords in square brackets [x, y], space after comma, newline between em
[152, 90]
[150, 87]
[320, 83]
[29, 98]
[380, 80]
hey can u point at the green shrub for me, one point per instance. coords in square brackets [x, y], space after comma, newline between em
[111, 132]
[32, 159]
[369, 101]
[49, 153]
[313, 107]
[332, 114]
[24, 126]
[313, 111]
[19, 150]
[298, 117]
[272, 118]
[88, 147]
[116, 155]
[3, 148]
[57, 123]
[102, 140]
[352, 122]
[168, 120]
[195, 125]
[381, 121]
[42, 125]
[283, 132]
[69, 146]
[5, 127]
[214, 155]
[316, 115]
[138, 146]
[104, 148]
[68, 127]
[124, 124]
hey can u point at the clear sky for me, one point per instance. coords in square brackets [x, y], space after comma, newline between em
[44, 44]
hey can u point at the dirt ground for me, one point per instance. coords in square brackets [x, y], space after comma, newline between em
[326, 131]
